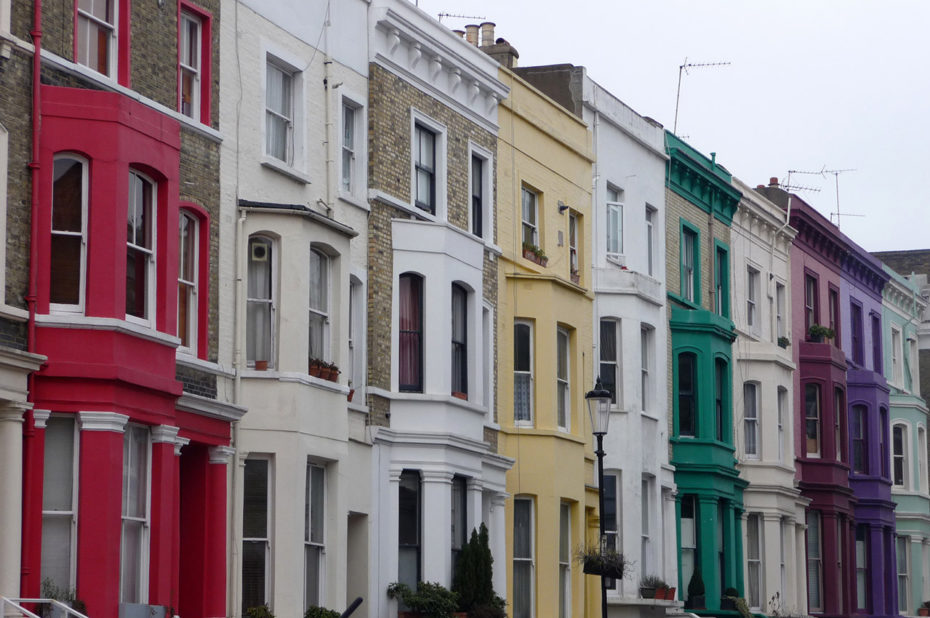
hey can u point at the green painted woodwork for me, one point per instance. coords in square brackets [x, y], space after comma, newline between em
[700, 180]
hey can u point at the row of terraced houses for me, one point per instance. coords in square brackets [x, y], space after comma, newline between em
[296, 295]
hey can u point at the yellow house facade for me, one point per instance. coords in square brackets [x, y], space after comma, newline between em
[545, 342]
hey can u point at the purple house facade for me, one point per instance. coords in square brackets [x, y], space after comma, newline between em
[863, 279]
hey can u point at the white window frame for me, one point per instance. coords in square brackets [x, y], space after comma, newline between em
[286, 116]
[356, 333]
[356, 152]
[755, 565]
[646, 355]
[487, 191]
[922, 459]
[688, 265]
[903, 579]
[268, 539]
[645, 549]
[193, 284]
[782, 407]
[819, 419]
[573, 231]
[293, 164]
[529, 226]
[488, 336]
[751, 419]
[112, 39]
[525, 422]
[72, 513]
[563, 379]
[150, 253]
[780, 310]
[192, 69]
[689, 536]
[614, 231]
[753, 319]
[615, 362]
[615, 533]
[897, 353]
[904, 456]
[862, 567]
[528, 560]
[651, 214]
[815, 555]
[314, 540]
[82, 285]
[565, 560]
[272, 302]
[323, 312]
[142, 590]
[440, 149]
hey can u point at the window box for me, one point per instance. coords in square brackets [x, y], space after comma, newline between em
[535, 254]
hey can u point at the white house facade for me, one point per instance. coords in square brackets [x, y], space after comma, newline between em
[773, 520]
[432, 305]
[294, 170]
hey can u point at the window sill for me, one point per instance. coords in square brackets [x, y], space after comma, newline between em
[354, 200]
[285, 169]
[682, 300]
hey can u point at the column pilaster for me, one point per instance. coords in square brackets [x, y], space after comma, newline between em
[435, 536]
[11, 495]
[214, 594]
[498, 541]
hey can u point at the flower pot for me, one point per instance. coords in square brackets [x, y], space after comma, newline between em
[324, 373]
[314, 369]
[647, 593]
[660, 592]
[923, 611]
[459, 395]
[670, 593]
[350, 395]
[334, 374]
[261, 365]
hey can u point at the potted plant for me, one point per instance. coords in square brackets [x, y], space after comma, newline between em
[351, 392]
[818, 333]
[333, 372]
[473, 579]
[431, 600]
[260, 611]
[610, 563]
[261, 365]
[535, 254]
[924, 609]
[66, 596]
[783, 342]
[696, 598]
[648, 586]
[728, 600]
[320, 612]
[315, 366]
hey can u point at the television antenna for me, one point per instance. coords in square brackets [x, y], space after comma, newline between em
[441, 15]
[836, 180]
[683, 68]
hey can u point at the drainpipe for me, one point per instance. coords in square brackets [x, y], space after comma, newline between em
[26, 567]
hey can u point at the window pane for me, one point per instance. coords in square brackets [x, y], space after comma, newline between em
[410, 332]
[131, 561]
[255, 499]
[312, 555]
[56, 549]
[58, 474]
[67, 231]
[522, 534]
[253, 574]
[317, 503]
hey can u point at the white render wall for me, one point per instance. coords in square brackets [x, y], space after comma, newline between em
[293, 417]
[760, 239]
[630, 155]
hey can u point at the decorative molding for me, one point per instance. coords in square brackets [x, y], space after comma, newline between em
[13, 413]
[40, 418]
[164, 434]
[60, 320]
[700, 180]
[221, 454]
[205, 406]
[180, 443]
[103, 421]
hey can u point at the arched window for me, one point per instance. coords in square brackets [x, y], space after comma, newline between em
[410, 333]
[687, 394]
[69, 234]
[319, 305]
[260, 302]
[459, 340]
[140, 248]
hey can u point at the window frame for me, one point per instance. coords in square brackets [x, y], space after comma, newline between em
[645, 536]
[268, 539]
[563, 379]
[782, 409]
[877, 362]
[613, 531]
[692, 394]
[79, 307]
[690, 534]
[616, 401]
[840, 413]
[815, 421]
[900, 458]
[754, 553]
[722, 394]
[356, 333]
[614, 205]
[73, 513]
[646, 354]
[271, 301]
[574, 226]
[145, 520]
[565, 560]
[418, 385]
[897, 356]
[856, 332]
[780, 298]
[519, 421]
[200, 105]
[859, 458]
[651, 214]
[751, 424]
[753, 298]
[528, 560]
[199, 308]
[353, 169]
[314, 542]
[440, 148]
[459, 518]
[292, 117]
[150, 253]
[922, 459]
[861, 545]
[903, 577]
[721, 279]
[322, 313]
[417, 546]
[690, 280]
[833, 314]
[814, 555]
[459, 347]
[486, 157]
[811, 303]
[526, 226]
[114, 67]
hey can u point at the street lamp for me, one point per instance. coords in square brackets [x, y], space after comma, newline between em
[599, 410]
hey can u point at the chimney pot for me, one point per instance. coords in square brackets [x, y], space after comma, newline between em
[461, 33]
[471, 34]
[487, 33]
[773, 181]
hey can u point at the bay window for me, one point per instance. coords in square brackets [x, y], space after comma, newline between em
[812, 419]
[260, 301]
[140, 248]
[69, 234]
[319, 304]
[899, 468]
[859, 433]
[522, 372]
[134, 534]
[687, 394]
[410, 333]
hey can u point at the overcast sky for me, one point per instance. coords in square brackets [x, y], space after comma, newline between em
[842, 84]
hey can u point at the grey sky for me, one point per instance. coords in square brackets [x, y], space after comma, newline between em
[842, 84]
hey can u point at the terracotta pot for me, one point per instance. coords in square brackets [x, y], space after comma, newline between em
[670, 593]
[334, 375]
[314, 369]
[261, 365]
[660, 592]
[459, 395]
[923, 611]
[350, 395]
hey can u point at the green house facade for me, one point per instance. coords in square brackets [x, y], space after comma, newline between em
[700, 203]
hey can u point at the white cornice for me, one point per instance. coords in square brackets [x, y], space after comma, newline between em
[103, 421]
[164, 434]
[221, 454]
[205, 406]
[60, 320]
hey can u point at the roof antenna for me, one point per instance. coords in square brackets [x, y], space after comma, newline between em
[441, 15]
[684, 67]
[836, 179]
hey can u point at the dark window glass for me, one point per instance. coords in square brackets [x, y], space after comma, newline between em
[408, 515]
[477, 196]
[410, 332]
[686, 394]
[459, 340]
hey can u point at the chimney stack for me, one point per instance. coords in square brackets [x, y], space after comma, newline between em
[471, 34]
[487, 33]
[773, 181]
[461, 33]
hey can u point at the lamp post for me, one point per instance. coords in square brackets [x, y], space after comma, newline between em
[599, 410]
